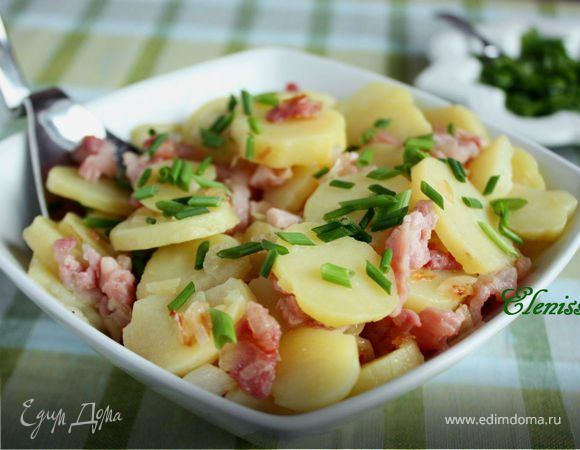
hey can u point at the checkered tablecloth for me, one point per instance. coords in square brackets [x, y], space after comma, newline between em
[94, 46]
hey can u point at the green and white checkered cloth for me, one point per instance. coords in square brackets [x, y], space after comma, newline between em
[94, 46]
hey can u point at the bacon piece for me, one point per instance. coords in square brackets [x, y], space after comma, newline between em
[282, 219]
[293, 315]
[292, 87]
[298, 107]
[462, 146]
[490, 285]
[409, 242]
[265, 177]
[441, 260]
[384, 137]
[388, 333]
[241, 194]
[96, 158]
[523, 266]
[194, 323]
[344, 165]
[436, 328]
[252, 360]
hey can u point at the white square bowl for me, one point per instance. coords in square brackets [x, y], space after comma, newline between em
[173, 97]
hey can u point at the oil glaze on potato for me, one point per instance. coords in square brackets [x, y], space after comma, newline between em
[317, 368]
[495, 159]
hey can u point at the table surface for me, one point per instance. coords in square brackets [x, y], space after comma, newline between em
[94, 46]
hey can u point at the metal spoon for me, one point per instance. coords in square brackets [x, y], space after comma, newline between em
[489, 49]
[56, 124]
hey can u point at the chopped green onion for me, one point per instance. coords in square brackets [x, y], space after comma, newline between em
[381, 190]
[250, 148]
[207, 183]
[386, 260]
[389, 218]
[412, 156]
[457, 169]
[221, 123]
[294, 238]
[472, 202]
[382, 123]
[497, 239]
[430, 192]
[321, 173]
[267, 98]
[101, 222]
[383, 173]
[269, 245]
[403, 198]
[490, 185]
[268, 263]
[254, 125]
[507, 232]
[351, 148]
[164, 174]
[146, 192]
[144, 177]
[373, 201]
[204, 200]
[331, 231]
[185, 176]
[336, 274]
[202, 250]
[339, 212]
[367, 218]
[355, 230]
[425, 142]
[191, 212]
[502, 205]
[151, 132]
[203, 166]
[151, 220]
[341, 184]
[367, 136]
[378, 277]
[451, 129]
[182, 297]
[240, 251]
[175, 170]
[169, 207]
[211, 139]
[366, 157]
[160, 139]
[222, 327]
[247, 103]
[232, 103]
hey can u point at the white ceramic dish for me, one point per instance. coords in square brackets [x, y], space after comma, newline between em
[173, 97]
[453, 74]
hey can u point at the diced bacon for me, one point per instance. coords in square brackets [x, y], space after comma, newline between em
[134, 166]
[96, 158]
[252, 360]
[292, 87]
[523, 267]
[241, 194]
[266, 177]
[388, 333]
[166, 151]
[384, 137]
[194, 323]
[436, 328]
[282, 219]
[441, 260]
[409, 242]
[299, 107]
[344, 165]
[462, 145]
[293, 315]
[490, 285]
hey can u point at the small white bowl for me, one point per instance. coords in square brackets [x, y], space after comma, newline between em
[175, 96]
[453, 74]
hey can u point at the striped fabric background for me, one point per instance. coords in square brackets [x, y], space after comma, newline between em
[94, 46]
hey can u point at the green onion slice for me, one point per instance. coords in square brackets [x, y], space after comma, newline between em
[250, 147]
[182, 297]
[457, 169]
[430, 192]
[336, 274]
[451, 129]
[502, 205]
[368, 202]
[151, 220]
[490, 185]
[223, 329]
[497, 239]
[144, 177]
[247, 103]
[378, 277]
[268, 263]
[191, 212]
[202, 250]
[382, 123]
[221, 123]
[267, 98]
[146, 192]
[211, 139]
[381, 190]
[254, 125]
[367, 219]
[160, 139]
[203, 200]
[321, 173]
[472, 202]
[240, 251]
[101, 222]
[294, 238]
[383, 173]
[341, 184]
[203, 166]
[386, 260]
[366, 157]
[232, 103]
[269, 245]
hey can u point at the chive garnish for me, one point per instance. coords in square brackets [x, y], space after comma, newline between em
[207, 183]
[101, 222]
[160, 139]
[203, 200]
[457, 169]
[250, 147]
[144, 177]
[239, 251]
[413, 155]
[294, 238]
[164, 174]
[382, 123]
[386, 260]
[373, 201]
[502, 205]
[378, 277]
[247, 103]
[472, 202]
[254, 125]
[267, 98]
[151, 220]
[151, 132]
[367, 136]
[175, 170]
[268, 263]
[182, 297]
[451, 129]
[425, 142]
[211, 139]
[191, 212]
[403, 198]
[203, 166]
[383, 173]
[222, 327]
[352, 148]
[269, 245]
[185, 176]
[221, 123]
[169, 207]
[389, 218]
[146, 192]
[321, 173]
[381, 190]
[430, 192]
[507, 232]
[341, 184]
[339, 212]
[336, 274]
[232, 103]
[331, 231]
[497, 239]
[202, 250]
[366, 157]
[367, 218]
[490, 185]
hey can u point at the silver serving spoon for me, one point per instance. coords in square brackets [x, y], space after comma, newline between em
[489, 49]
[56, 124]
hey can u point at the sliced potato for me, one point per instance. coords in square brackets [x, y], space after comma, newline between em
[140, 134]
[388, 367]
[317, 368]
[458, 115]
[171, 268]
[103, 195]
[440, 289]
[495, 159]
[136, 234]
[257, 232]
[326, 198]
[72, 225]
[526, 171]
[212, 379]
[458, 227]
[292, 195]
[317, 141]
[546, 214]
[386, 155]
[40, 236]
[383, 101]
[268, 297]
[154, 334]
[331, 304]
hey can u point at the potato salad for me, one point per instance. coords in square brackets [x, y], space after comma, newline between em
[286, 250]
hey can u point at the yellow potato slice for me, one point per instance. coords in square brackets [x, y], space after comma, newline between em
[379, 100]
[268, 297]
[136, 234]
[458, 115]
[317, 368]
[140, 134]
[103, 195]
[326, 198]
[292, 195]
[458, 226]
[495, 159]
[72, 225]
[212, 379]
[40, 236]
[526, 171]
[388, 367]
[171, 268]
[546, 214]
[386, 155]
[440, 289]
[153, 333]
[331, 304]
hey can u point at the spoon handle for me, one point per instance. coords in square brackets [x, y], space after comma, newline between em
[13, 87]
